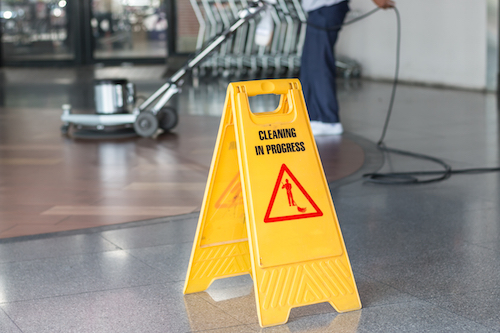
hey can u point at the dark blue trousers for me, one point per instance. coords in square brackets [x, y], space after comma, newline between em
[317, 72]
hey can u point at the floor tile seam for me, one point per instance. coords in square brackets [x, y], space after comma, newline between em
[332, 312]
[450, 247]
[421, 259]
[163, 283]
[156, 269]
[426, 303]
[65, 256]
[64, 218]
[472, 245]
[178, 281]
[9, 228]
[348, 204]
[482, 245]
[199, 168]
[450, 161]
[151, 246]
[392, 287]
[436, 186]
[58, 257]
[417, 298]
[349, 196]
[11, 320]
[461, 316]
[110, 242]
[486, 198]
[429, 299]
[460, 293]
[214, 304]
[403, 188]
[220, 309]
[229, 327]
[101, 229]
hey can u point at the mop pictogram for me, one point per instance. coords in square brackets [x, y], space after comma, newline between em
[288, 187]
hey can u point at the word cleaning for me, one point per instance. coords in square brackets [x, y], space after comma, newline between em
[279, 148]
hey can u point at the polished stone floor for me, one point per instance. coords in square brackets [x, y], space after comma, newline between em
[425, 258]
[52, 183]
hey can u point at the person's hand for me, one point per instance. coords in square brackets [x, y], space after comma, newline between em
[384, 3]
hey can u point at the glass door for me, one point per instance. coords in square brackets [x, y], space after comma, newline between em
[36, 30]
[129, 29]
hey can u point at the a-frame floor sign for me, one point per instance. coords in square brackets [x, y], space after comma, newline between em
[267, 209]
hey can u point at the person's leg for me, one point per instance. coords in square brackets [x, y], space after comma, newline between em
[317, 73]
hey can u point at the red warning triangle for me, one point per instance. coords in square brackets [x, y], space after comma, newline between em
[288, 187]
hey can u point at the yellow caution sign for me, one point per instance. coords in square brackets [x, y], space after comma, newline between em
[267, 209]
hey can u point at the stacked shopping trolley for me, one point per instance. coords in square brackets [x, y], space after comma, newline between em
[240, 53]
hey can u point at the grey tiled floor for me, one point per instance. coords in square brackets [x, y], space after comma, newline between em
[425, 258]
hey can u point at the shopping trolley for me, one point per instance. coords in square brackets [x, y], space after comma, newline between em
[240, 53]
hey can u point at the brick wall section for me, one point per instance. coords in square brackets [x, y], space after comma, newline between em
[187, 24]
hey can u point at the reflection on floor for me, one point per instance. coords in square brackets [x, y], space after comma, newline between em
[425, 258]
[51, 183]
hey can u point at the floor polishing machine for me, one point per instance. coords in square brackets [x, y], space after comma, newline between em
[115, 99]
